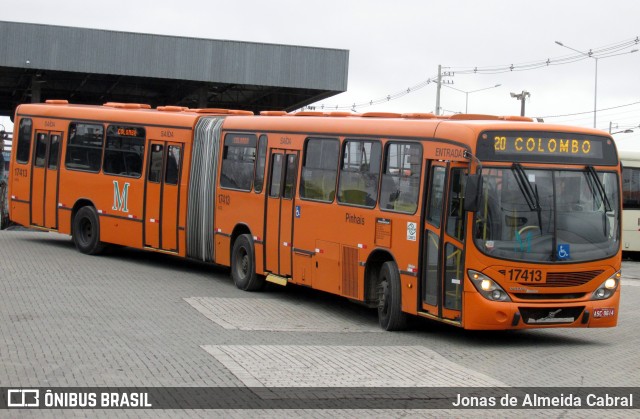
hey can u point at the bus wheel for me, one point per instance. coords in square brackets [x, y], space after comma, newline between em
[390, 315]
[86, 231]
[243, 265]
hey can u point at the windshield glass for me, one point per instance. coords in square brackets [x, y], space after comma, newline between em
[548, 215]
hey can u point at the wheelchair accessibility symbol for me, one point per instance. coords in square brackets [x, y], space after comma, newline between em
[563, 252]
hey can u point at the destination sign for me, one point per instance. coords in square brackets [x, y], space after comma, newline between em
[571, 147]
[248, 140]
[546, 147]
[125, 131]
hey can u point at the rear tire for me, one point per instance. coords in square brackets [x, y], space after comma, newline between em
[243, 265]
[390, 315]
[86, 231]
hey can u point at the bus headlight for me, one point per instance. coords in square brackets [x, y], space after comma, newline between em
[607, 288]
[487, 287]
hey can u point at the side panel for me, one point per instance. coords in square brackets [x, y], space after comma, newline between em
[327, 275]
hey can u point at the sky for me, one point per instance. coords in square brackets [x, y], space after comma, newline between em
[396, 45]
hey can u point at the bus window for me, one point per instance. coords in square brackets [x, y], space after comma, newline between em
[24, 141]
[238, 161]
[320, 169]
[173, 165]
[276, 175]
[567, 207]
[41, 150]
[124, 151]
[155, 166]
[54, 150]
[290, 176]
[631, 188]
[453, 278]
[359, 173]
[401, 178]
[84, 148]
[434, 212]
[258, 179]
[455, 221]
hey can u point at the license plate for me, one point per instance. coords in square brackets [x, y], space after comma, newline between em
[603, 312]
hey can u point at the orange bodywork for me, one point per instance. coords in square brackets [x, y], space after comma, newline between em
[329, 246]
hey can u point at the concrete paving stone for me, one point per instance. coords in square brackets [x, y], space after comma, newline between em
[345, 366]
[123, 319]
[276, 315]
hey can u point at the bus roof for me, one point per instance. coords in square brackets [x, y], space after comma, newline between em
[629, 155]
[461, 127]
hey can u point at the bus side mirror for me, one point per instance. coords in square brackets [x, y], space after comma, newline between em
[472, 192]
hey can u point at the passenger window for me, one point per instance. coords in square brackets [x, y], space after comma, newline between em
[41, 150]
[155, 164]
[84, 148]
[24, 141]
[258, 180]
[434, 212]
[359, 173]
[124, 151]
[455, 220]
[290, 176]
[238, 161]
[320, 169]
[54, 151]
[276, 176]
[173, 165]
[453, 277]
[401, 178]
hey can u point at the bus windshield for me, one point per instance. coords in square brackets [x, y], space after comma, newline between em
[540, 215]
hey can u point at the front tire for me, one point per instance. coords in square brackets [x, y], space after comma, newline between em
[390, 315]
[86, 231]
[243, 265]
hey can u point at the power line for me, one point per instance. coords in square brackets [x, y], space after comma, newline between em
[586, 112]
[601, 52]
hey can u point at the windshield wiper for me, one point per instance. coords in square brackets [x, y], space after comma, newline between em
[530, 195]
[599, 187]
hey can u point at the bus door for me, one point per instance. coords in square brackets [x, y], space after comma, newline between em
[44, 179]
[443, 273]
[162, 196]
[283, 169]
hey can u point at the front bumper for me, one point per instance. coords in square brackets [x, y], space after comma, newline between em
[482, 314]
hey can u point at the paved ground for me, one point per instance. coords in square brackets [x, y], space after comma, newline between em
[133, 318]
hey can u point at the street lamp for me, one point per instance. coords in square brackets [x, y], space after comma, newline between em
[466, 93]
[590, 55]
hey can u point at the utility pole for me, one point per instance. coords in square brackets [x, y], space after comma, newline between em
[440, 81]
[521, 97]
[438, 90]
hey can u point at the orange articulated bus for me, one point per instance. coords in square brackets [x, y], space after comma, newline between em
[477, 221]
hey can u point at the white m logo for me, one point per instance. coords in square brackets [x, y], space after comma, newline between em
[120, 200]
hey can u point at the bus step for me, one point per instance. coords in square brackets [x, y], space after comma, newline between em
[276, 279]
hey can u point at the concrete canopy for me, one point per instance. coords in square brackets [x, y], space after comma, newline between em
[89, 66]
